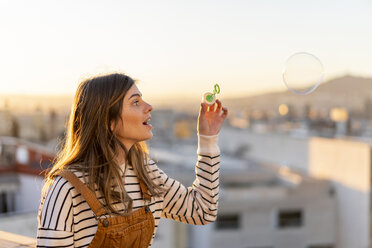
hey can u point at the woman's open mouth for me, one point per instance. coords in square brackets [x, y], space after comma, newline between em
[147, 123]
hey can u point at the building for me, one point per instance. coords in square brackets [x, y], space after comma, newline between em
[344, 162]
[261, 205]
[21, 176]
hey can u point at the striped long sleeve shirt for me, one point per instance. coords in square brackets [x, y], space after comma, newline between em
[66, 220]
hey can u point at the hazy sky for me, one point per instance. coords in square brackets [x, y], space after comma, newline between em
[178, 48]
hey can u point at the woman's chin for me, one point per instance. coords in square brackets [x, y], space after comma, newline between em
[148, 137]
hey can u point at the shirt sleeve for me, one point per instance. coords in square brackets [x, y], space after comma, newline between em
[55, 217]
[198, 203]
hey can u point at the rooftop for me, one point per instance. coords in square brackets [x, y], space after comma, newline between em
[11, 240]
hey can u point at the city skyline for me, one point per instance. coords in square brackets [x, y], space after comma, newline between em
[347, 91]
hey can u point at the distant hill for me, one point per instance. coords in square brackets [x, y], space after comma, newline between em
[348, 91]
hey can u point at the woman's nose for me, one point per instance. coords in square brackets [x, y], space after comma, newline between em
[149, 108]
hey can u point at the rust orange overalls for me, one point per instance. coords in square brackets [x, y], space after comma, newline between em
[132, 231]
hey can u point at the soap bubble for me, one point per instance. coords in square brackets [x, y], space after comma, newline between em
[303, 73]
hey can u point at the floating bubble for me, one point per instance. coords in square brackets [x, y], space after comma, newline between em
[303, 73]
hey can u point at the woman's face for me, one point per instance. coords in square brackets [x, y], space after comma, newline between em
[134, 126]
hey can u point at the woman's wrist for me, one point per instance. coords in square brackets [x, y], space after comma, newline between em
[208, 144]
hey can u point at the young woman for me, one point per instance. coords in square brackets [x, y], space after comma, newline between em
[105, 150]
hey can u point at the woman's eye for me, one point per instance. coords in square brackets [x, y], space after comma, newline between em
[136, 103]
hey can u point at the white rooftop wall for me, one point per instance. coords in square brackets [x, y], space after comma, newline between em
[348, 165]
[267, 148]
[29, 192]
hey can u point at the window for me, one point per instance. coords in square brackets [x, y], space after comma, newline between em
[321, 246]
[227, 222]
[7, 156]
[260, 247]
[290, 218]
[7, 200]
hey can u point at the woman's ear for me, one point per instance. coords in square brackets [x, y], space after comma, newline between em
[112, 126]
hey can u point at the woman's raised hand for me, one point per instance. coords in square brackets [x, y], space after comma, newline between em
[211, 118]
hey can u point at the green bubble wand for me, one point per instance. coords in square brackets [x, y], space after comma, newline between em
[210, 98]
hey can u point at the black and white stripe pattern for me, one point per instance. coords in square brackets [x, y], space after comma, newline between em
[66, 220]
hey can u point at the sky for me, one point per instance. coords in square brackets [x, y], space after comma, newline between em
[178, 49]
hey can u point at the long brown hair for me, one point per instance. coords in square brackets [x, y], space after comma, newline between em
[91, 147]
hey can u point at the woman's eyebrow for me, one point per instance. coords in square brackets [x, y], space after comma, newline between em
[136, 94]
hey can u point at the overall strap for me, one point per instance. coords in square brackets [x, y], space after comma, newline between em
[144, 190]
[81, 188]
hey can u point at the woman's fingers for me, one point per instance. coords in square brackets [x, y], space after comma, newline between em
[216, 107]
[219, 106]
[224, 112]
